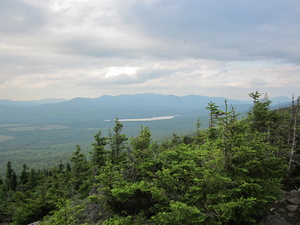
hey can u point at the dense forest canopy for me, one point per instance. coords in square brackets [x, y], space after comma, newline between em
[226, 174]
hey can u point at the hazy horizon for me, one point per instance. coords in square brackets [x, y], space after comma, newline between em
[64, 99]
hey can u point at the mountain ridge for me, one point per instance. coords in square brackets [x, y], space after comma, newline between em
[147, 96]
[104, 107]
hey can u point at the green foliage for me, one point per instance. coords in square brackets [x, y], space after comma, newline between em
[117, 142]
[79, 172]
[24, 178]
[135, 198]
[10, 178]
[263, 119]
[143, 140]
[238, 211]
[99, 152]
[260, 114]
[3, 202]
[225, 175]
[180, 213]
[139, 155]
[129, 220]
[70, 212]
[31, 211]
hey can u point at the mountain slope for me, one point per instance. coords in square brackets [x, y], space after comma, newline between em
[127, 106]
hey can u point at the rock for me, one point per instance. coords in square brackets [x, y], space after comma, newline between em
[275, 220]
[282, 210]
[35, 223]
[294, 197]
[285, 211]
[292, 208]
[294, 201]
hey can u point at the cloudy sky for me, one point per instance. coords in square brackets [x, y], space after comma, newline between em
[89, 48]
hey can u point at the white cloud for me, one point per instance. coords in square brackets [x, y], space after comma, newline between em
[90, 47]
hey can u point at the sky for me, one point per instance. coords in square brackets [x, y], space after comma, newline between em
[89, 48]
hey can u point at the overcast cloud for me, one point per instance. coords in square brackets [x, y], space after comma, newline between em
[89, 48]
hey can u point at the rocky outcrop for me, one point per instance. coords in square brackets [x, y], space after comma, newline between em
[35, 223]
[285, 211]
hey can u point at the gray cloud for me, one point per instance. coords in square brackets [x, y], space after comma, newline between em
[17, 17]
[258, 82]
[244, 29]
[167, 46]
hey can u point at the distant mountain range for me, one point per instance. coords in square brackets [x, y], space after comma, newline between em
[46, 131]
[30, 103]
[135, 99]
[110, 107]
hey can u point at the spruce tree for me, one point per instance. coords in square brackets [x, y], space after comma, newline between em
[117, 142]
[214, 113]
[24, 175]
[61, 167]
[138, 155]
[79, 172]
[99, 152]
[11, 178]
[33, 179]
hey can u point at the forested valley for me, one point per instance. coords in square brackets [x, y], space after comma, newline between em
[226, 174]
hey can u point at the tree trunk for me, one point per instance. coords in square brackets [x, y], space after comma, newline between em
[294, 118]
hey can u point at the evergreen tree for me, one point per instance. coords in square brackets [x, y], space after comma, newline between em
[199, 138]
[175, 139]
[61, 167]
[262, 118]
[214, 114]
[14, 181]
[3, 201]
[142, 141]
[68, 167]
[11, 178]
[138, 155]
[24, 178]
[117, 142]
[33, 179]
[79, 172]
[24, 175]
[99, 152]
